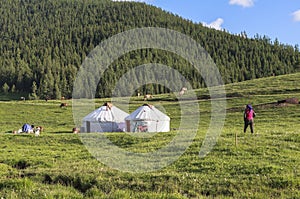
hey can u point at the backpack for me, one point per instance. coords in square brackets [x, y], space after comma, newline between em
[26, 128]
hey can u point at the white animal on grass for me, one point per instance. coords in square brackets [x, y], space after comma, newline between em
[182, 91]
[37, 132]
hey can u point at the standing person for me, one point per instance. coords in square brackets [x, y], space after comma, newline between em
[249, 115]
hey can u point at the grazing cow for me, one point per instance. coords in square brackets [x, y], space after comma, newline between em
[148, 96]
[23, 98]
[289, 101]
[182, 91]
[76, 130]
[63, 105]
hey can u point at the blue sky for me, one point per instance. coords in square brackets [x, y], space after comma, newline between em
[274, 18]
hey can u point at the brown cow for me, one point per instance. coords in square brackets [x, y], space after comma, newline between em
[76, 130]
[289, 101]
[63, 105]
[147, 96]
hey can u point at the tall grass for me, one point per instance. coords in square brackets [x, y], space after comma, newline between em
[241, 165]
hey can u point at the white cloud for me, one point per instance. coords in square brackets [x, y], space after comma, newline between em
[215, 24]
[244, 3]
[296, 15]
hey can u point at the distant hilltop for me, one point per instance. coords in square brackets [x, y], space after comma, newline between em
[43, 44]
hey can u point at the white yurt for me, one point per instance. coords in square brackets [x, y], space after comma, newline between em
[107, 118]
[147, 118]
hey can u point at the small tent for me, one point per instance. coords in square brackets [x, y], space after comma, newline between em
[147, 118]
[107, 118]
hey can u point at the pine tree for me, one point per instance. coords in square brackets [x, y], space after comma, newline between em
[33, 95]
[5, 88]
[13, 89]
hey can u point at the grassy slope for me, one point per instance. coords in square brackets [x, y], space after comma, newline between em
[57, 165]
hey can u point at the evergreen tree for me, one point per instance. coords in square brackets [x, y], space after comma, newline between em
[5, 88]
[46, 42]
[33, 94]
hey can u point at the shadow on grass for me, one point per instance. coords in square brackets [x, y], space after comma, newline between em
[12, 96]
[60, 132]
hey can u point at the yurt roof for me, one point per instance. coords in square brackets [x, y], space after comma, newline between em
[147, 112]
[106, 113]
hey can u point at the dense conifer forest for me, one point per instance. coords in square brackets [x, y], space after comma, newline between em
[43, 43]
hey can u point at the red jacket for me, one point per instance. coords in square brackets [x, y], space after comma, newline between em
[249, 114]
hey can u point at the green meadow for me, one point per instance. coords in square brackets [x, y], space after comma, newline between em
[241, 165]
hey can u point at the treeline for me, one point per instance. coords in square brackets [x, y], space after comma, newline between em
[43, 44]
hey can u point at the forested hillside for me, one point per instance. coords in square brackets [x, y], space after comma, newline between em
[43, 43]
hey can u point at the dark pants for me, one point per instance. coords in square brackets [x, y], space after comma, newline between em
[247, 123]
